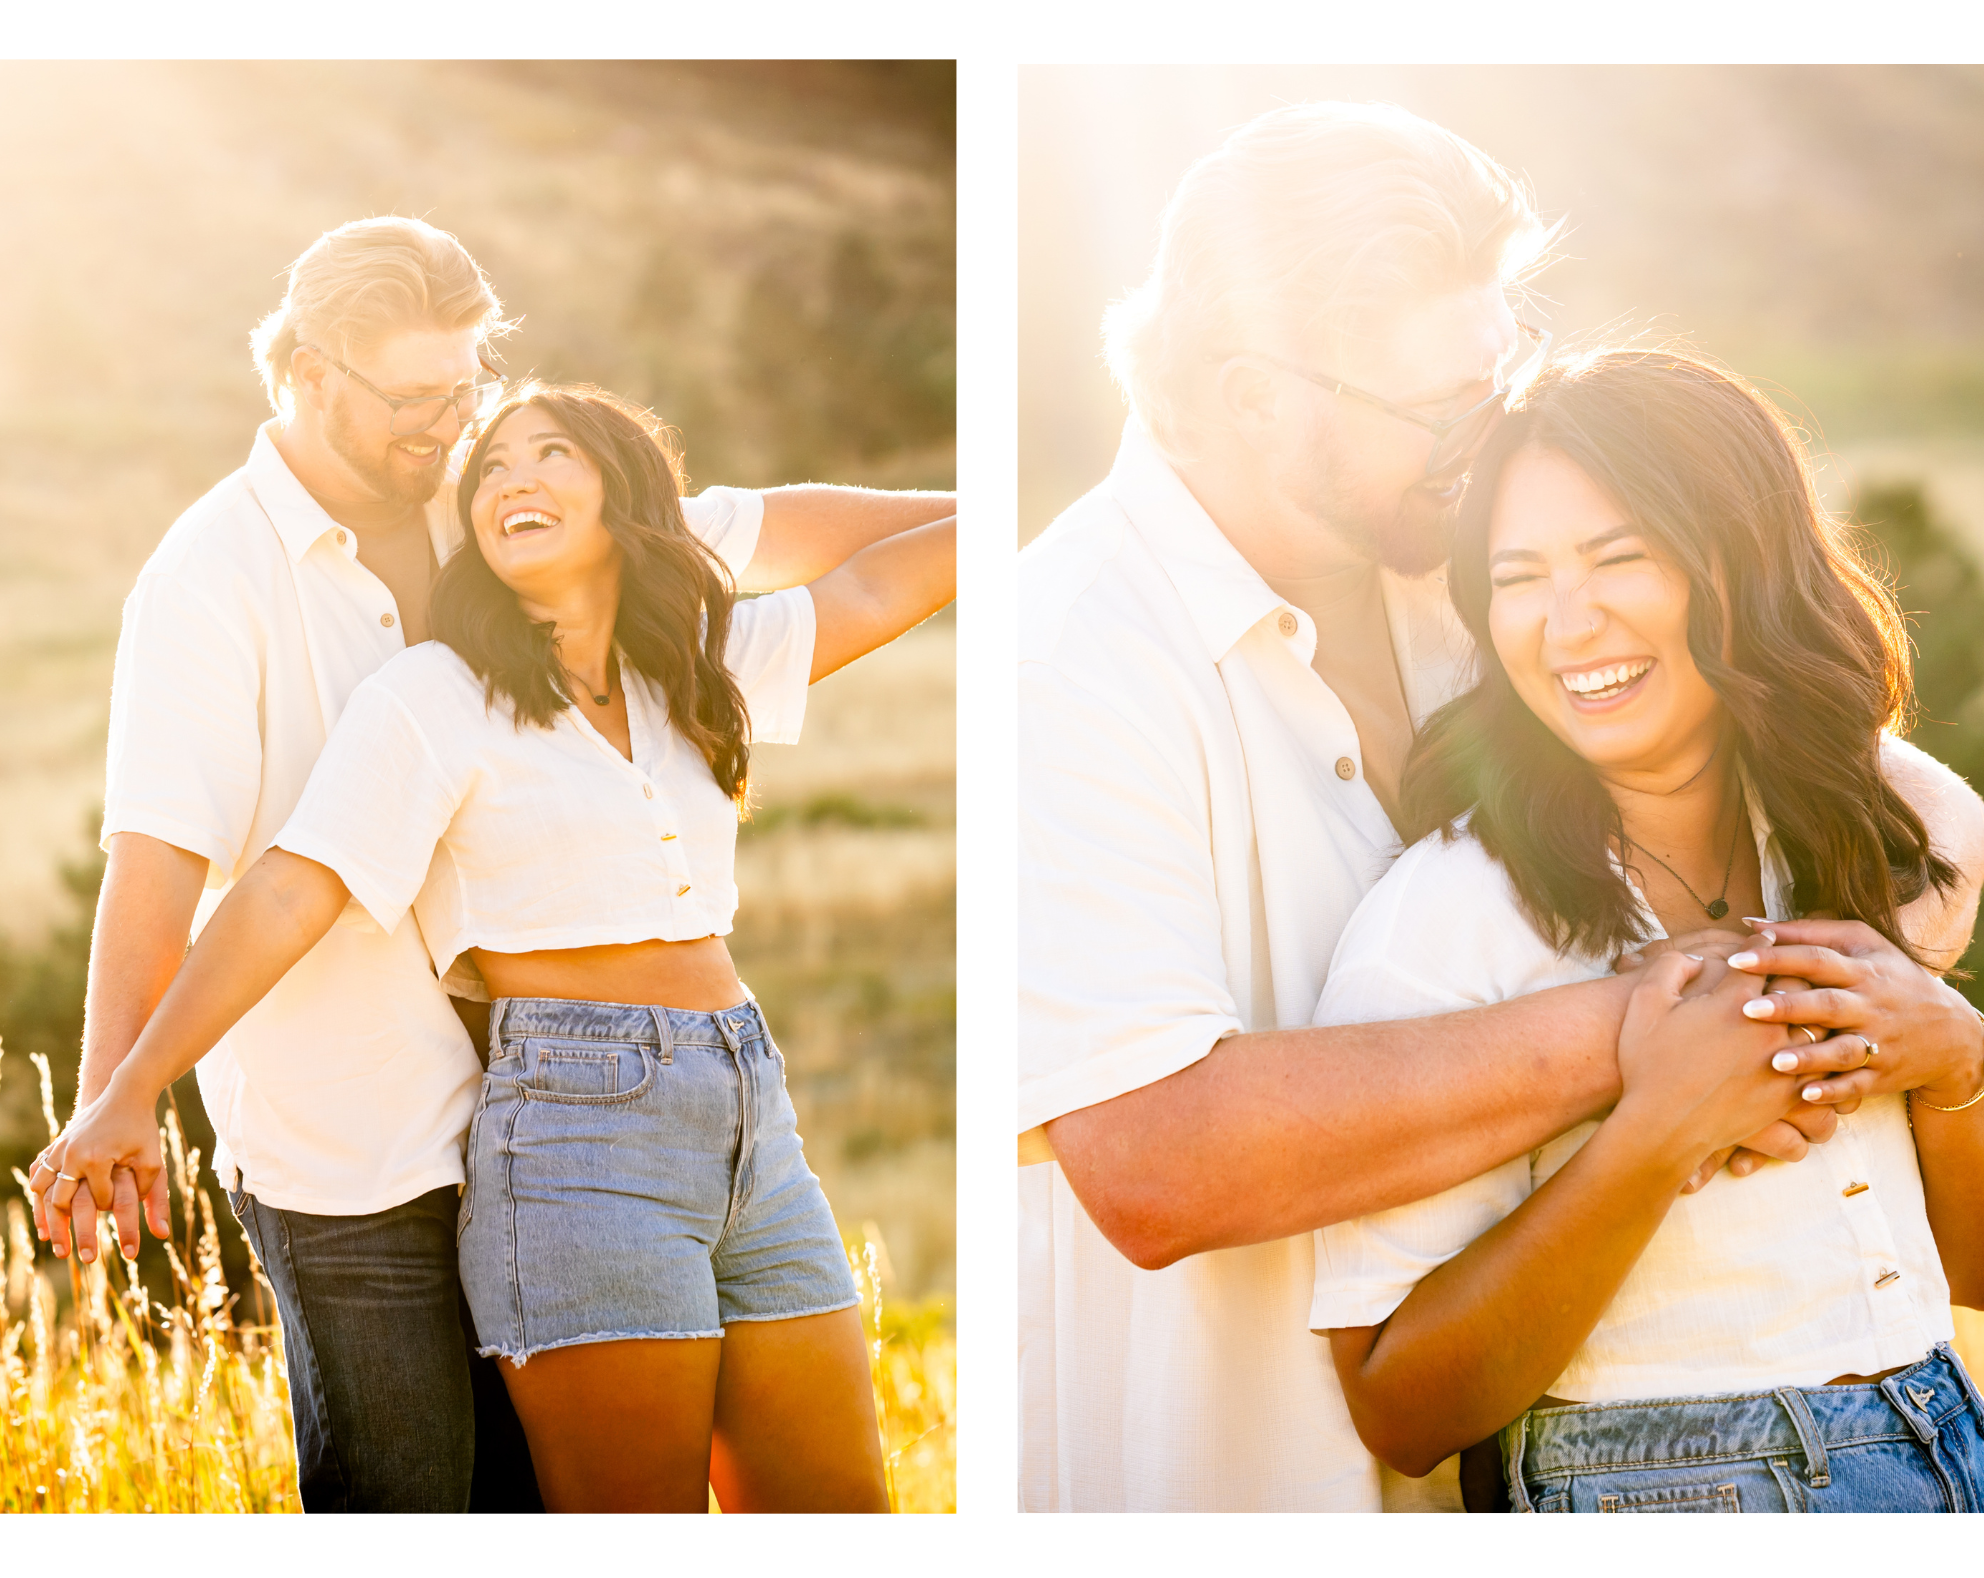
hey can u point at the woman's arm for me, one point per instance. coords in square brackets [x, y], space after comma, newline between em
[276, 914]
[810, 529]
[881, 592]
[1482, 1337]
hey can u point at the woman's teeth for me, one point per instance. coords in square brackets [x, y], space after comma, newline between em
[525, 521]
[1601, 683]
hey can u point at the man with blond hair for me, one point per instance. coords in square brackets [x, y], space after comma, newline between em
[340, 1101]
[1225, 649]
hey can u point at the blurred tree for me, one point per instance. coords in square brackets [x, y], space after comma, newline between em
[1943, 595]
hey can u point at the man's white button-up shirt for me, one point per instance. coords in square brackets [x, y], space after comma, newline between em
[1190, 850]
[348, 1088]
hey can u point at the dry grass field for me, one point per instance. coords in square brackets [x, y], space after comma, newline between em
[125, 1402]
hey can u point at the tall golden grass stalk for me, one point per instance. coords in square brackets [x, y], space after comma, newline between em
[132, 1405]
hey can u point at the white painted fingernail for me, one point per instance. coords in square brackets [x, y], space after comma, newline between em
[1757, 1008]
[1741, 961]
[1785, 1062]
[1813, 1092]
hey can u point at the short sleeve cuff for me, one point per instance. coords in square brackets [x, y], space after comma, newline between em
[387, 910]
[777, 694]
[727, 521]
[1103, 1077]
[120, 817]
[1337, 1306]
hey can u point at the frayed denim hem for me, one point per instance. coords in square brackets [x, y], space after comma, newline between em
[522, 1356]
[824, 1309]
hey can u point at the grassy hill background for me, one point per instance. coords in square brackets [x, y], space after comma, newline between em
[764, 253]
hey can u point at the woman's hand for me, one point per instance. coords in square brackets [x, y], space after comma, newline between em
[118, 1132]
[1869, 993]
[1697, 1077]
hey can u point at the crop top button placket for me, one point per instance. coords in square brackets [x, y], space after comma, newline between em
[649, 745]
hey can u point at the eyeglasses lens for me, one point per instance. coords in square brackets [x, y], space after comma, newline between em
[1459, 444]
[470, 405]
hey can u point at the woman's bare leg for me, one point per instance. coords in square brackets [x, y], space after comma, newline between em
[795, 1418]
[620, 1426]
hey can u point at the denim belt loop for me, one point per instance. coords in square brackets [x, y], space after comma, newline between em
[1947, 1354]
[664, 1036]
[496, 1025]
[1818, 1471]
[1514, 1440]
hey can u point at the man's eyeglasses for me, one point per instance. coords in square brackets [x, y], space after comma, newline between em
[1458, 438]
[417, 413]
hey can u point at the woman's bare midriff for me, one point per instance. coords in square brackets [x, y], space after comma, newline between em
[696, 975]
[1837, 1380]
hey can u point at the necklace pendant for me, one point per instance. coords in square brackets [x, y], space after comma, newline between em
[1717, 909]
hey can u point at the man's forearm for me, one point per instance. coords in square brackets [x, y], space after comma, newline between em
[144, 914]
[1280, 1132]
[810, 529]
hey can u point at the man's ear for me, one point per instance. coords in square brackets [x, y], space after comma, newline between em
[307, 372]
[1250, 400]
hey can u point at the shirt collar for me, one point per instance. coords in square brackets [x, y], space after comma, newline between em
[1224, 594]
[300, 520]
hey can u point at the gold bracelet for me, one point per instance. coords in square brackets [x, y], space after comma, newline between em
[1979, 1012]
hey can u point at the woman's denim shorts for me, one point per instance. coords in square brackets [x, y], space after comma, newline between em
[636, 1172]
[1911, 1443]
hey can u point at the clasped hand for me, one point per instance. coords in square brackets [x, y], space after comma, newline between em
[1883, 1025]
[108, 1153]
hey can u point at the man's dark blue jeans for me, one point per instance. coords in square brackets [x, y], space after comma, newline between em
[379, 1364]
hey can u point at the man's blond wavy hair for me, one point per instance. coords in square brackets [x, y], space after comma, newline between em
[1310, 226]
[364, 281]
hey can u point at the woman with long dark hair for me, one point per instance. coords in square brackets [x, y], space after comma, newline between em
[553, 786]
[1687, 683]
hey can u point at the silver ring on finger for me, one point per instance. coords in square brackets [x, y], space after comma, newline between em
[1810, 1034]
[1873, 1051]
[69, 1177]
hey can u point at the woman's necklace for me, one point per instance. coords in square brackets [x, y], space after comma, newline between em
[1717, 907]
[597, 699]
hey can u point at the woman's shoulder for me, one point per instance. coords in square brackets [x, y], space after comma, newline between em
[1446, 883]
[433, 681]
[1446, 917]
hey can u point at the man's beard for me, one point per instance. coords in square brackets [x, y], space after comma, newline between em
[376, 470]
[1405, 533]
[1413, 540]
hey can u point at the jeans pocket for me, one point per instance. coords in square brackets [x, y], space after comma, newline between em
[590, 1073]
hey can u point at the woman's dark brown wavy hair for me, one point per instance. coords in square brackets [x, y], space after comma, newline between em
[1711, 474]
[675, 594]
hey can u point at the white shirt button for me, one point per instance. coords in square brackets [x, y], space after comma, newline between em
[341, 539]
[1345, 768]
[1286, 624]
[386, 620]
[648, 790]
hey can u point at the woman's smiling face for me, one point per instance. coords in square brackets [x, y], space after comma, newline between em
[537, 506]
[1590, 621]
